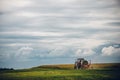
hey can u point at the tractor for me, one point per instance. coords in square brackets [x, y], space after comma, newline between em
[81, 63]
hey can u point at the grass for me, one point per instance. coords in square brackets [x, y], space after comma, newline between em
[62, 72]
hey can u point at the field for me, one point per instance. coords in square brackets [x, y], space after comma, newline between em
[64, 72]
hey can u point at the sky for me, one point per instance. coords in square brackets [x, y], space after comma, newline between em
[39, 32]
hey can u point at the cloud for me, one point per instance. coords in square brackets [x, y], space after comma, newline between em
[84, 52]
[117, 24]
[58, 52]
[7, 6]
[30, 33]
[110, 51]
[24, 53]
[108, 36]
[25, 50]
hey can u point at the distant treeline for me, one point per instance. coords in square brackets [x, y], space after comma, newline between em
[2, 69]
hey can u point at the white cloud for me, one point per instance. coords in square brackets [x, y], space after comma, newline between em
[26, 14]
[84, 52]
[80, 43]
[24, 52]
[58, 52]
[31, 33]
[110, 51]
[108, 36]
[8, 5]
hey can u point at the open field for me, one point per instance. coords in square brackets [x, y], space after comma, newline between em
[93, 66]
[64, 72]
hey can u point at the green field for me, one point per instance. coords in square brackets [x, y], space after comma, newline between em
[64, 72]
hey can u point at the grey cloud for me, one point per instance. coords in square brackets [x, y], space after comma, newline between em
[114, 24]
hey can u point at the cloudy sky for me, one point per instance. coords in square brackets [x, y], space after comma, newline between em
[38, 32]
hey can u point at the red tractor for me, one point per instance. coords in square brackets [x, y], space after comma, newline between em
[81, 63]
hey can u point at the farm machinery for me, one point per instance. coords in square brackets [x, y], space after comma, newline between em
[81, 63]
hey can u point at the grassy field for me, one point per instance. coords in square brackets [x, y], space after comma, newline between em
[64, 72]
